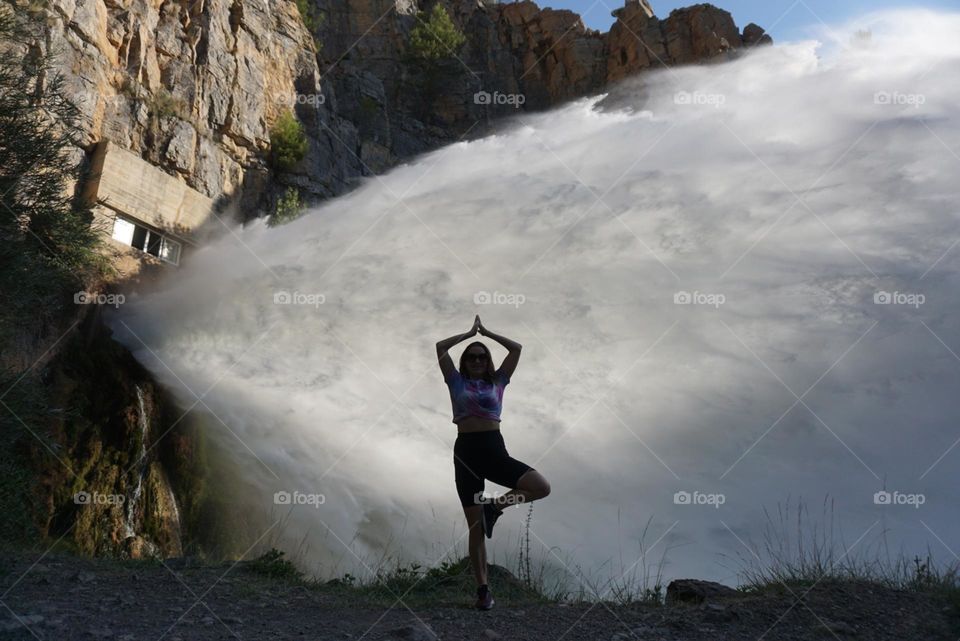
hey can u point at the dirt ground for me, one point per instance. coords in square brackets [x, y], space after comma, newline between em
[63, 598]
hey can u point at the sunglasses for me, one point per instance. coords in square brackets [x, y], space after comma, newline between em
[476, 357]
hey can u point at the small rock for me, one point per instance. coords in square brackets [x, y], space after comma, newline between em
[208, 620]
[696, 591]
[85, 577]
[101, 633]
[493, 635]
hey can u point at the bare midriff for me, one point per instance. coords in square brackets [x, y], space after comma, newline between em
[477, 424]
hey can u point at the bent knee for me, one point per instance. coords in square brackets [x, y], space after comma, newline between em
[544, 488]
[538, 485]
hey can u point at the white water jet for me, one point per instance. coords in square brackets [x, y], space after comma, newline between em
[804, 199]
[132, 525]
[143, 423]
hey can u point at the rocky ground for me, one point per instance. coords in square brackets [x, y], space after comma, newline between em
[64, 597]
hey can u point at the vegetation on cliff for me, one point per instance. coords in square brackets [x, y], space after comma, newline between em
[49, 249]
[48, 246]
[288, 142]
[435, 36]
[289, 207]
[312, 18]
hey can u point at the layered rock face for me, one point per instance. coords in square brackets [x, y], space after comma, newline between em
[189, 85]
[528, 58]
[638, 40]
[194, 85]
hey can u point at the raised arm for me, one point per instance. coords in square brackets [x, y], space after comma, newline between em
[446, 363]
[513, 357]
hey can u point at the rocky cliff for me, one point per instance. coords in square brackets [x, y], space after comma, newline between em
[194, 85]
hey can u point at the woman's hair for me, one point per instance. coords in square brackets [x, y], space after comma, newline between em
[488, 375]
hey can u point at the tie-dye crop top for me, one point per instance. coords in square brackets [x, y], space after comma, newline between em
[476, 397]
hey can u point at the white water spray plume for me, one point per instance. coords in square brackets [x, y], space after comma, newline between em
[734, 281]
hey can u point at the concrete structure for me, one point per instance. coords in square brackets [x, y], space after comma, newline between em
[149, 215]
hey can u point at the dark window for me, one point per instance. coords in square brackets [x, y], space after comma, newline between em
[153, 244]
[139, 237]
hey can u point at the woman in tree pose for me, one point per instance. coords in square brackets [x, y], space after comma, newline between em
[476, 391]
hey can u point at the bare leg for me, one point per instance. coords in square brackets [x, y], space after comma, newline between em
[530, 487]
[478, 551]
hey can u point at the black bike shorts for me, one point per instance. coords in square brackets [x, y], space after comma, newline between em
[483, 455]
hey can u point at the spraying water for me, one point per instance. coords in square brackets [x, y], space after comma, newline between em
[143, 422]
[734, 285]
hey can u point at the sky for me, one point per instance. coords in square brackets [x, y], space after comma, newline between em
[734, 291]
[783, 19]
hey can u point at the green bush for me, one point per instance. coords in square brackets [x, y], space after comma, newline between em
[288, 208]
[288, 142]
[435, 36]
[273, 564]
[164, 104]
[49, 248]
[312, 19]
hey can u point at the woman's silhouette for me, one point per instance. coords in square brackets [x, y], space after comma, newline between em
[476, 392]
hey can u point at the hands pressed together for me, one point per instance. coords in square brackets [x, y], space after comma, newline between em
[477, 328]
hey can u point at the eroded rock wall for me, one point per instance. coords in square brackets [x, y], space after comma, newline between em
[194, 86]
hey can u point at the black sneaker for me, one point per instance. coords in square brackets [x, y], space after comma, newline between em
[490, 516]
[484, 598]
